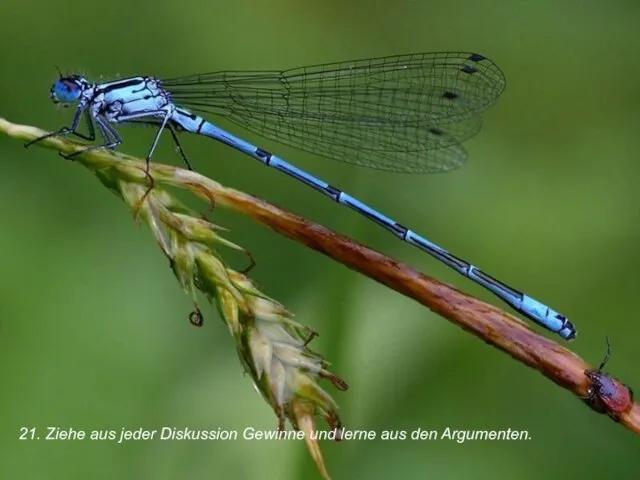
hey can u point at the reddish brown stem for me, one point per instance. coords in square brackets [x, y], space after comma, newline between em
[491, 324]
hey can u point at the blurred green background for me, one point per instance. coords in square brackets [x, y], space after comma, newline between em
[93, 326]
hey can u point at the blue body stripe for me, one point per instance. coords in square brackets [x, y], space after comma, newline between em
[528, 306]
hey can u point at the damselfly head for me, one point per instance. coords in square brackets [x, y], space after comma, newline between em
[67, 90]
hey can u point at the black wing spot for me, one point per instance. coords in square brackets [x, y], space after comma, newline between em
[436, 131]
[450, 95]
[468, 69]
[476, 57]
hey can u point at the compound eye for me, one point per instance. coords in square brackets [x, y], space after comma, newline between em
[66, 90]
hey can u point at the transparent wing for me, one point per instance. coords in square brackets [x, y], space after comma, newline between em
[407, 113]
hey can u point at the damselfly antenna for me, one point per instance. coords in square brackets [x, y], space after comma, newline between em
[607, 356]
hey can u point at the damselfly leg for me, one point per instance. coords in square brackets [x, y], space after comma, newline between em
[173, 133]
[109, 134]
[72, 130]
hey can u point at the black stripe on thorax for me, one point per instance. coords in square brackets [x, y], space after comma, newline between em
[129, 82]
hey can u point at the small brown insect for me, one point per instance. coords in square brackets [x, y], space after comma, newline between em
[606, 393]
